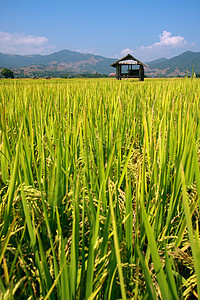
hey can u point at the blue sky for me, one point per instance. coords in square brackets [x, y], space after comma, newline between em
[146, 29]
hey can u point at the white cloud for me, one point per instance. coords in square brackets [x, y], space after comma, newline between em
[167, 40]
[22, 43]
[168, 45]
[126, 51]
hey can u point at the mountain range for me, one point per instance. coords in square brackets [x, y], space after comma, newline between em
[58, 63]
[64, 62]
[180, 65]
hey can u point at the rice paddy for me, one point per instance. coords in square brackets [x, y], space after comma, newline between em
[99, 189]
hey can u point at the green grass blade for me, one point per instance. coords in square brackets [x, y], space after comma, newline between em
[11, 189]
[149, 282]
[117, 249]
[195, 245]
[170, 277]
[152, 243]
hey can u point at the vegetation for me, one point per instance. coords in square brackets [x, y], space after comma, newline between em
[7, 73]
[89, 75]
[57, 74]
[99, 189]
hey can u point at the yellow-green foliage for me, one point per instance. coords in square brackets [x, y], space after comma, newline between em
[99, 189]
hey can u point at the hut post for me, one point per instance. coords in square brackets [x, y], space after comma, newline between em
[141, 73]
[118, 71]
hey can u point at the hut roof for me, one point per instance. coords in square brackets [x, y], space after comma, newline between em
[128, 60]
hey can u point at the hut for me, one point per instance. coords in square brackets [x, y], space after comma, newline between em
[131, 72]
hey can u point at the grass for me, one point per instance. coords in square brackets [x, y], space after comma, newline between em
[99, 189]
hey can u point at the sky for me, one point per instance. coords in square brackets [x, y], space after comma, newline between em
[146, 29]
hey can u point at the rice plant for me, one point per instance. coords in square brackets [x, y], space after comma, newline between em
[99, 189]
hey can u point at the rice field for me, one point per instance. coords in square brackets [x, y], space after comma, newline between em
[99, 189]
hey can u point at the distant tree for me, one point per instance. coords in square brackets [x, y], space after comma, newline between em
[7, 73]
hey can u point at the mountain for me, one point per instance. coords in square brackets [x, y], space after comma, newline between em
[159, 60]
[59, 63]
[176, 66]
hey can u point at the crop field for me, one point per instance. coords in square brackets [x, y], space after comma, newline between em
[99, 189]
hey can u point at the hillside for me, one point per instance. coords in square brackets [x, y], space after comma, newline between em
[59, 63]
[175, 66]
